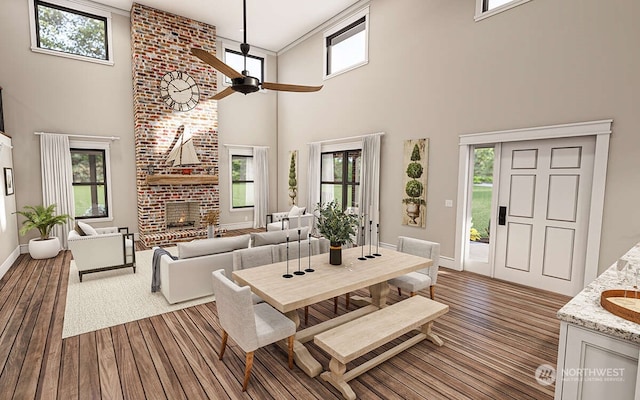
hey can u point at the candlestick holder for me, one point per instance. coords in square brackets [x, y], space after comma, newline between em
[370, 226]
[362, 257]
[309, 269]
[299, 272]
[377, 253]
[287, 275]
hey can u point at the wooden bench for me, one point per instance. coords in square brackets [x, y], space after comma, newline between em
[355, 338]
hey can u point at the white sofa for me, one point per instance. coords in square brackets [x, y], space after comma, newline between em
[189, 277]
[295, 218]
[102, 249]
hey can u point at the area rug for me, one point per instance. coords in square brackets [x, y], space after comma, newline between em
[110, 298]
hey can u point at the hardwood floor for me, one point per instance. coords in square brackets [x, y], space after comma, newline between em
[496, 334]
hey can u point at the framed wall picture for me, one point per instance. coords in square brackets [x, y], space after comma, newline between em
[8, 181]
[416, 163]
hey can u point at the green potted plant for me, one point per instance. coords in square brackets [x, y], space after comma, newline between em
[414, 187]
[337, 226]
[293, 181]
[43, 219]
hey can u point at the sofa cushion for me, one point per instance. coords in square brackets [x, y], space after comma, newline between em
[205, 247]
[275, 237]
[295, 211]
[87, 229]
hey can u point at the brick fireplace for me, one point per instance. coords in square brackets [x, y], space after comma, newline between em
[182, 215]
[161, 42]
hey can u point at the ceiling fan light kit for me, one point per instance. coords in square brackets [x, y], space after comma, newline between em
[246, 84]
[242, 82]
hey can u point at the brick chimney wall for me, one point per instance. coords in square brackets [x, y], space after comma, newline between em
[161, 42]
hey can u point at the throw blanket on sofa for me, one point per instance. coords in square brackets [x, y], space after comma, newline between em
[155, 277]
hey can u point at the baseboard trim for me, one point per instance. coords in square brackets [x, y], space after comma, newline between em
[9, 261]
[446, 262]
[238, 225]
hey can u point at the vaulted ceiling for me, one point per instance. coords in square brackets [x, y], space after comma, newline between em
[271, 24]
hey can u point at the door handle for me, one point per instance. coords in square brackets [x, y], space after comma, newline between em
[502, 215]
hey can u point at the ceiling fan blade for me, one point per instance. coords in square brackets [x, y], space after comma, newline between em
[223, 94]
[290, 88]
[216, 63]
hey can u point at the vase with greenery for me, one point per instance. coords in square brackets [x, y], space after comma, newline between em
[414, 187]
[44, 219]
[293, 181]
[337, 226]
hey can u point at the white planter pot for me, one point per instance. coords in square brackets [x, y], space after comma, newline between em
[39, 249]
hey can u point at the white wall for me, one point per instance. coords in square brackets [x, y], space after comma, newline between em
[247, 120]
[433, 72]
[9, 249]
[61, 95]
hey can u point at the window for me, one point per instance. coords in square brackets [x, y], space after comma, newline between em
[241, 179]
[487, 8]
[71, 29]
[89, 183]
[346, 44]
[90, 165]
[340, 177]
[235, 59]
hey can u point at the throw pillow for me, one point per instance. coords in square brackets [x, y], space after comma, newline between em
[295, 211]
[274, 237]
[204, 247]
[79, 230]
[87, 229]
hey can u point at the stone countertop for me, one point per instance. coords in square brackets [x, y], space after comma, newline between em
[585, 309]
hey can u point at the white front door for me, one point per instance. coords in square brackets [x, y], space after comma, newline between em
[543, 212]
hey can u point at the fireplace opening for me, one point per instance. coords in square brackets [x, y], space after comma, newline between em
[183, 215]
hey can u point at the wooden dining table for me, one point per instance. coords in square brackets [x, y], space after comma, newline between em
[287, 295]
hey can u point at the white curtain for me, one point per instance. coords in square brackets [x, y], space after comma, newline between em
[57, 180]
[369, 204]
[313, 177]
[260, 186]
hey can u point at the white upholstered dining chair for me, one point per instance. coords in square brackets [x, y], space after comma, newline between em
[423, 278]
[255, 257]
[250, 326]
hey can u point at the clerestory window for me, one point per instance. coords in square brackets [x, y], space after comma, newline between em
[71, 29]
[347, 44]
[487, 8]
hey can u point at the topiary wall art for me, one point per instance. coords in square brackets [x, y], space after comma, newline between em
[293, 178]
[414, 199]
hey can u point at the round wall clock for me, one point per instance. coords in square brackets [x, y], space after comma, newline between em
[179, 91]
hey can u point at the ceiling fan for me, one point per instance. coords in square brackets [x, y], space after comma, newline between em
[242, 82]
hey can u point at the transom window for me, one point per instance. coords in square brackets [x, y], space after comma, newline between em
[89, 183]
[235, 59]
[241, 181]
[71, 29]
[346, 44]
[340, 177]
[487, 8]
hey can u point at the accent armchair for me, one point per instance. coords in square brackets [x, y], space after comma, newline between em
[289, 219]
[421, 279]
[250, 326]
[107, 249]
